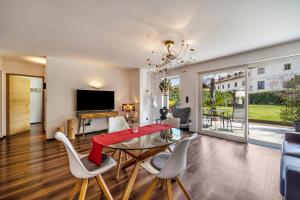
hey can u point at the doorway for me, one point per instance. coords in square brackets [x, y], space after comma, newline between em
[223, 104]
[25, 107]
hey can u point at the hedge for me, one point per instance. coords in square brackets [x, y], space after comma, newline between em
[271, 98]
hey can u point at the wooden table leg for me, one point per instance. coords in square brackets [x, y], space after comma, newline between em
[119, 164]
[83, 128]
[131, 181]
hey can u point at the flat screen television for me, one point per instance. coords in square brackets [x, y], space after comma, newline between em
[88, 100]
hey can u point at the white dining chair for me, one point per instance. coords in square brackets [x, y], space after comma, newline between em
[173, 122]
[166, 166]
[117, 124]
[83, 169]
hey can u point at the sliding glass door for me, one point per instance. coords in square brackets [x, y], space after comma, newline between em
[223, 104]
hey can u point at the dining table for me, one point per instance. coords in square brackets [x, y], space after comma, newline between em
[143, 147]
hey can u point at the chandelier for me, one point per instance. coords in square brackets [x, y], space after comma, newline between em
[173, 56]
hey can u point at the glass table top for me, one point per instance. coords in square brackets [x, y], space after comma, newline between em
[154, 140]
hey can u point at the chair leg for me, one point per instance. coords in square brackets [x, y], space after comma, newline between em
[74, 190]
[104, 188]
[83, 189]
[183, 189]
[163, 183]
[126, 156]
[150, 189]
[169, 148]
[119, 164]
[169, 189]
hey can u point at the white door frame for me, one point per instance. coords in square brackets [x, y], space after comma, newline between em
[199, 123]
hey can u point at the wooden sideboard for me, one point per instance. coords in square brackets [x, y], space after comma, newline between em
[83, 116]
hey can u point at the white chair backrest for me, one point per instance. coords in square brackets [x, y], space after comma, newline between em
[116, 124]
[76, 167]
[177, 161]
[174, 122]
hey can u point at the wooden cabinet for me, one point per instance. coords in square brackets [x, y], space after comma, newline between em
[83, 116]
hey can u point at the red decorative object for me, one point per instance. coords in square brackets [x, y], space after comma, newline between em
[100, 141]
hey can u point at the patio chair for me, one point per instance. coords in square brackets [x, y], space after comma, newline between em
[210, 116]
[238, 115]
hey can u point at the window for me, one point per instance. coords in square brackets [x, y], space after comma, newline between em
[218, 87]
[287, 66]
[261, 85]
[222, 86]
[235, 84]
[174, 94]
[228, 85]
[243, 83]
[261, 70]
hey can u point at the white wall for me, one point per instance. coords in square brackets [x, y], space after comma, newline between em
[150, 82]
[16, 67]
[65, 76]
[36, 100]
[189, 74]
[134, 78]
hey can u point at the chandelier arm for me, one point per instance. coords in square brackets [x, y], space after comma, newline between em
[180, 50]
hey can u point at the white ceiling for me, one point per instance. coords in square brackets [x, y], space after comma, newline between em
[123, 33]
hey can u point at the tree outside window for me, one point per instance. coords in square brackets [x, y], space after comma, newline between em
[174, 96]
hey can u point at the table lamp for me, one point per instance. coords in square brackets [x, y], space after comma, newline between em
[127, 108]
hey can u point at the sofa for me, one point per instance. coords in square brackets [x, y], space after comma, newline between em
[290, 167]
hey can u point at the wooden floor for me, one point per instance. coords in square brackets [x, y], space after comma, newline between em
[31, 168]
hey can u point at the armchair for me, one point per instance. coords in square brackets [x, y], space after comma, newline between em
[184, 115]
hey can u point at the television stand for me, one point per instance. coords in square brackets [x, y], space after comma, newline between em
[86, 115]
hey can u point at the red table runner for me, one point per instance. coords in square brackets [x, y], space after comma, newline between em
[100, 141]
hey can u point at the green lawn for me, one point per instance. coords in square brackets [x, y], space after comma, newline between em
[260, 112]
[265, 112]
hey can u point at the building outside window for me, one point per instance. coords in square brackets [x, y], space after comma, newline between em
[287, 66]
[228, 86]
[222, 86]
[235, 84]
[243, 83]
[261, 70]
[261, 85]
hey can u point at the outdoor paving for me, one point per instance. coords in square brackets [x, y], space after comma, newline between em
[266, 133]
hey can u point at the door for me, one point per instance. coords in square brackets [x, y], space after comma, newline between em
[18, 104]
[223, 104]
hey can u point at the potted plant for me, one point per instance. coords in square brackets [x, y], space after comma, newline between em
[291, 102]
[165, 87]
